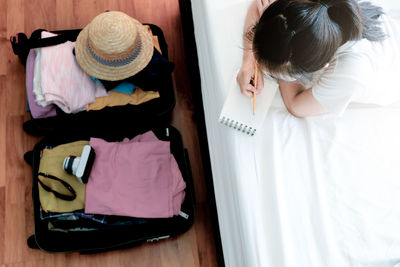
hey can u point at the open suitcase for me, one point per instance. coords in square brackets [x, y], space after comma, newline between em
[108, 119]
[112, 124]
[112, 237]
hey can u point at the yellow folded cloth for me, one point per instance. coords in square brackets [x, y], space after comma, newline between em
[51, 164]
[137, 97]
[155, 39]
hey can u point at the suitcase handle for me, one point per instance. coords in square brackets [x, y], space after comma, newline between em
[21, 44]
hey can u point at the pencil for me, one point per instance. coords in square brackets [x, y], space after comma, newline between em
[255, 86]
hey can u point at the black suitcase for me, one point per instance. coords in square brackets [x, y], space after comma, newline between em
[109, 119]
[110, 238]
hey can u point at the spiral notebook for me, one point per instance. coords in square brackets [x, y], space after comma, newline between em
[237, 112]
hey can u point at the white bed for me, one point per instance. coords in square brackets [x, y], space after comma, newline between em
[321, 191]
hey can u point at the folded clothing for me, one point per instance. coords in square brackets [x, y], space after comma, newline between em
[138, 178]
[123, 87]
[61, 81]
[152, 77]
[36, 110]
[156, 43]
[137, 97]
[51, 163]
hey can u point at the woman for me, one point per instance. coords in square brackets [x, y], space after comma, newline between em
[325, 54]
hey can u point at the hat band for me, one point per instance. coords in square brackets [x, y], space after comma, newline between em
[118, 62]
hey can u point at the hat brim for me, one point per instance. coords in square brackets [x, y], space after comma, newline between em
[110, 73]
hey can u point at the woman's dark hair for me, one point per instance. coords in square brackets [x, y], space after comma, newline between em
[301, 36]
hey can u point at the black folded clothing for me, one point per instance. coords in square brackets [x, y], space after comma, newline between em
[151, 78]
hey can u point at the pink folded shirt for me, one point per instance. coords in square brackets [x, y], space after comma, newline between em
[63, 82]
[137, 178]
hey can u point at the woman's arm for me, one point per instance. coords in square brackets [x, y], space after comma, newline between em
[253, 15]
[299, 101]
[246, 72]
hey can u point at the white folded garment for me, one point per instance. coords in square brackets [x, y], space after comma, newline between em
[59, 80]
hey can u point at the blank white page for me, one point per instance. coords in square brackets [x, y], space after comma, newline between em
[237, 111]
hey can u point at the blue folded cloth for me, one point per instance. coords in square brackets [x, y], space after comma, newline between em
[123, 87]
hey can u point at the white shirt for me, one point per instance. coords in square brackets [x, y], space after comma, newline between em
[362, 72]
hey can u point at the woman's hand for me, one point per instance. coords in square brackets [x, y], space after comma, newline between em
[245, 79]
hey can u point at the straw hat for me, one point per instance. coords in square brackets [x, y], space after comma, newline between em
[113, 46]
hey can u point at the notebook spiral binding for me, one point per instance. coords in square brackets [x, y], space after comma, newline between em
[238, 126]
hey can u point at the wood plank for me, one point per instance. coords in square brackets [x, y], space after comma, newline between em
[4, 38]
[14, 83]
[148, 254]
[2, 223]
[64, 20]
[15, 88]
[85, 11]
[3, 138]
[15, 16]
[15, 239]
[18, 264]
[15, 180]
[180, 253]
[43, 17]
[205, 239]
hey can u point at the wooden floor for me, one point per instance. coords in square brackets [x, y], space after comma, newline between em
[194, 248]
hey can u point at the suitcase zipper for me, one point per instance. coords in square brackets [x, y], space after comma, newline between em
[155, 239]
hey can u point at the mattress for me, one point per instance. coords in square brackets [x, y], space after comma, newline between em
[318, 191]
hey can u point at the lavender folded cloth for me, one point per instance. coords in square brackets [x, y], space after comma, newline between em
[36, 110]
[137, 178]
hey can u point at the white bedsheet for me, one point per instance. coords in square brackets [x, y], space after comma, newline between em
[321, 191]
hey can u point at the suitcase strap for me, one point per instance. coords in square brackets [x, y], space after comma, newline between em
[21, 44]
[57, 194]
